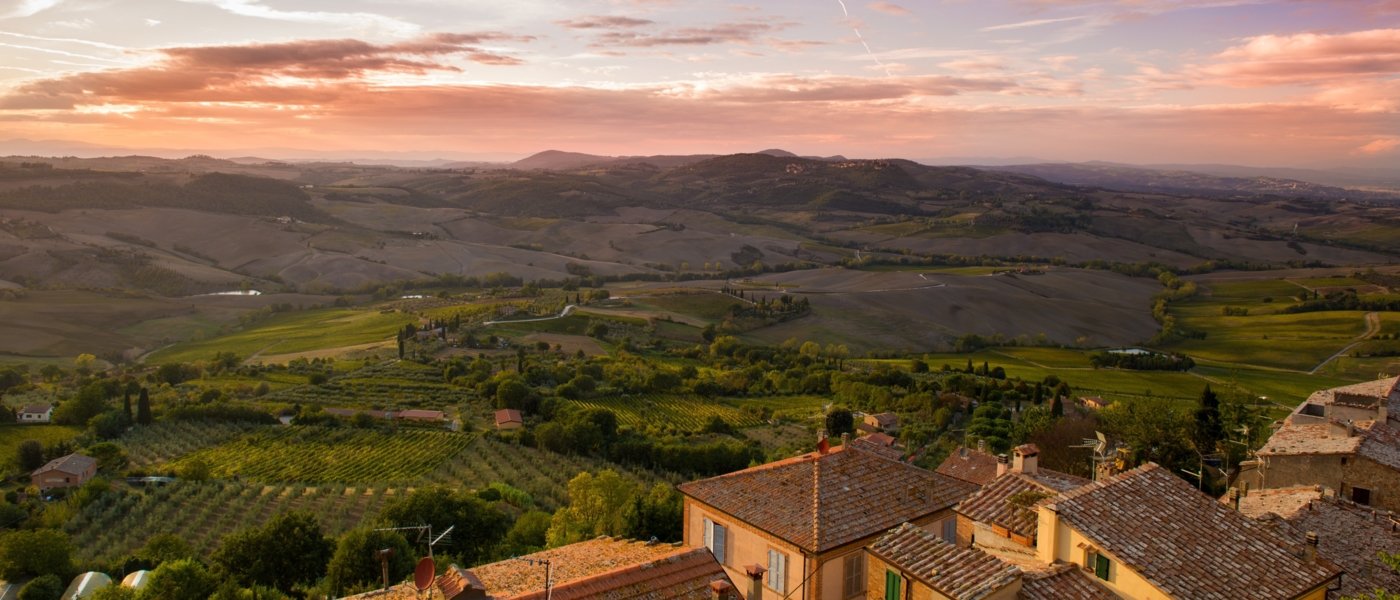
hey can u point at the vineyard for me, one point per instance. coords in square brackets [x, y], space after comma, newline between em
[155, 444]
[201, 513]
[689, 413]
[544, 475]
[399, 384]
[322, 454]
[11, 435]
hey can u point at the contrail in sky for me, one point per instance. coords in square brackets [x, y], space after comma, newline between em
[862, 39]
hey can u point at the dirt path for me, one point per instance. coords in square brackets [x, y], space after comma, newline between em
[568, 310]
[1373, 326]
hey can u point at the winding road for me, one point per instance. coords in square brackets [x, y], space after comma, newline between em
[1373, 326]
[568, 310]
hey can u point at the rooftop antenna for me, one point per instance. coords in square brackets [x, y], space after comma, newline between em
[548, 574]
[1100, 455]
[428, 529]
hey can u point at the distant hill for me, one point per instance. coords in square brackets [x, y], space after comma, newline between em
[1185, 182]
[559, 160]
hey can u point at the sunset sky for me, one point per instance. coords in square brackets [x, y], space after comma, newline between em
[1255, 82]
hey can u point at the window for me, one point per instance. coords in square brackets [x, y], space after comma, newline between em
[892, 581]
[777, 571]
[950, 530]
[1101, 564]
[853, 577]
[1361, 495]
[716, 536]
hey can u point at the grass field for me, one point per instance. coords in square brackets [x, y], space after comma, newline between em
[12, 435]
[706, 305]
[689, 413]
[322, 455]
[300, 331]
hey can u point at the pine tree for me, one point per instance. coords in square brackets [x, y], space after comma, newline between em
[143, 407]
[1208, 430]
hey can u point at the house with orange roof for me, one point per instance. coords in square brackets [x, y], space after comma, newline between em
[972, 465]
[1001, 517]
[802, 524]
[603, 567]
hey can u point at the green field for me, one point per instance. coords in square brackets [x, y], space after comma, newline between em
[301, 331]
[323, 455]
[689, 413]
[12, 435]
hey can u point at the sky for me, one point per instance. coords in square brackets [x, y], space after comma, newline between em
[1304, 83]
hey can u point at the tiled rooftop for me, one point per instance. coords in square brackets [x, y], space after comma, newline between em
[1309, 439]
[994, 504]
[73, 463]
[1062, 582]
[958, 573]
[818, 502]
[684, 574]
[512, 578]
[971, 465]
[1362, 395]
[1163, 528]
[1349, 535]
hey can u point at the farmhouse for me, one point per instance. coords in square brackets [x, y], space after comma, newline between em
[803, 522]
[1346, 439]
[509, 418]
[35, 413]
[67, 471]
[886, 422]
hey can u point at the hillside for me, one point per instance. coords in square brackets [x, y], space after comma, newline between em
[161, 229]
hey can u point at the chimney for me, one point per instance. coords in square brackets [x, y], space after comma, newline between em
[1235, 498]
[981, 445]
[721, 590]
[1002, 465]
[845, 438]
[1026, 459]
[1310, 549]
[823, 446]
[755, 573]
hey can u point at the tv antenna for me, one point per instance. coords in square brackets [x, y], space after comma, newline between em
[548, 573]
[1100, 447]
[425, 529]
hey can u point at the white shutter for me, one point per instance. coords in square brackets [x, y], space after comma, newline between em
[709, 534]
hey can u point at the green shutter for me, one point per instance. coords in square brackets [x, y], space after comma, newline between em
[892, 581]
[1101, 567]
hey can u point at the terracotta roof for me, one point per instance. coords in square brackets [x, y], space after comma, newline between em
[1310, 438]
[993, 503]
[575, 562]
[1062, 582]
[36, 408]
[1349, 535]
[420, 414]
[73, 463]
[818, 502]
[508, 415]
[684, 574]
[958, 573]
[1367, 394]
[971, 465]
[1380, 442]
[886, 419]
[879, 446]
[1278, 501]
[1164, 529]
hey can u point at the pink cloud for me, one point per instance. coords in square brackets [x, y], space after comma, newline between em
[604, 22]
[1308, 58]
[1380, 146]
[889, 8]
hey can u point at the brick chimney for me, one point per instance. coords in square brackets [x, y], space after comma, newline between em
[1310, 548]
[1026, 459]
[721, 590]
[1002, 465]
[755, 573]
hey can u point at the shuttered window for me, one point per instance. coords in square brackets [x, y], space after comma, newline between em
[777, 571]
[950, 530]
[1101, 564]
[892, 581]
[853, 578]
[715, 537]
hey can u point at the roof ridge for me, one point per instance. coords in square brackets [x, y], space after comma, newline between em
[680, 554]
[1103, 483]
[817, 502]
[792, 460]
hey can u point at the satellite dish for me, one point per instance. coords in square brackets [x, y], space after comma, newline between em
[423, 573]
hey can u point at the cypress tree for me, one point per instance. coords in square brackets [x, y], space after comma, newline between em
[143, 408]
[1208, 430]
[126, 405]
